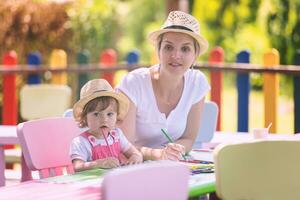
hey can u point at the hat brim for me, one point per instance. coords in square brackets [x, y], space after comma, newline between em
[203, 43]
[121, 98]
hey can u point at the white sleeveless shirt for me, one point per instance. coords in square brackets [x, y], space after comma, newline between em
[137, 86]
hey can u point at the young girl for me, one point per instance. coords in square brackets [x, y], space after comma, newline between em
[102, 145]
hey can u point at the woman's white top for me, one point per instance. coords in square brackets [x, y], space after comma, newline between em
[137, 86]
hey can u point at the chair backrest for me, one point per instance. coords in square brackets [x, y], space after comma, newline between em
[45, 144]
[44, 100]
[208, 124]
[69, 113]
[155, 180]
[268, 170]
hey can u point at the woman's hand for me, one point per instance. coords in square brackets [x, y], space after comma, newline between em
[172, 151]
[107, 163]
[135, 158]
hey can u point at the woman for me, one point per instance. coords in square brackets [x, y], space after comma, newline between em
[169, 95]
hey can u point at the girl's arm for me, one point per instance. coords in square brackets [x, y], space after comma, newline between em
[106, 163]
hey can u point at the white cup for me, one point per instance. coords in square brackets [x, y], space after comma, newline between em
[260, 133]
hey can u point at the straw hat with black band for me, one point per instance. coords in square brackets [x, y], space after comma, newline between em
[99, 88]
[181, 22]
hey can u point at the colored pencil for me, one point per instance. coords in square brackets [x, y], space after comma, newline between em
[171, 140]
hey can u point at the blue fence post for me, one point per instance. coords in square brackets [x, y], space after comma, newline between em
[83, 58]
[296, 80]
[133, 57]
[243, 87]
[34, 61]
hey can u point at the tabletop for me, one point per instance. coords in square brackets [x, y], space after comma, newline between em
[87, 185]
[8, 135]
[237, 137]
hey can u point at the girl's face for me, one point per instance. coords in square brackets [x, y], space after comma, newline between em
[177, 52]
[101, 119]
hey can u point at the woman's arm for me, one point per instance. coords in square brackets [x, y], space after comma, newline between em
[134, 156]
[192, 128]
[171, 151]
[128, 124]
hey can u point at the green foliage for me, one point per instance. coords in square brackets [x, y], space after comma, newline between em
[255, 25]
[95, 25]
[283, 25]
[269, 23]
[232, 25]
[139, 18]
[27, 26]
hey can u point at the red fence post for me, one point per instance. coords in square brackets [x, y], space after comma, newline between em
[216, 57]
[108, 58]
[10, 106]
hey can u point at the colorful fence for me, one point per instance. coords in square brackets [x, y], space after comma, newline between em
[109, 68]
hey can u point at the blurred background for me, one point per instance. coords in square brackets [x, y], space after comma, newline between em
[123, 25]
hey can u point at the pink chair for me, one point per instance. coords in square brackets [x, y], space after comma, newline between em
[155, 180]
[45, 144]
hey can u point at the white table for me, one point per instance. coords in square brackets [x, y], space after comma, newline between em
[8, 136]
[236, 137]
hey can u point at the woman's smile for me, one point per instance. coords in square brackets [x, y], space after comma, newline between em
[175, 64]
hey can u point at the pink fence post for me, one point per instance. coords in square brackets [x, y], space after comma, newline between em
[108, 58]
[217, 57]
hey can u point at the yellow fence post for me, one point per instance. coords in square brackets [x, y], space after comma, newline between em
[58, 60]
[271, 89]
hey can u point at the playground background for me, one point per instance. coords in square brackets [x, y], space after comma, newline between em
[74, 26]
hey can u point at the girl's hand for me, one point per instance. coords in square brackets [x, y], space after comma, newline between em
[172, 151]
[135, 158]
[107, 163]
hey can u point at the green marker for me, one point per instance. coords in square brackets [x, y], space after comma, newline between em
[171, 141]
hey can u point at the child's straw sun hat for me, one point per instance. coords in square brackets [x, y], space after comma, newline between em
[99, 88]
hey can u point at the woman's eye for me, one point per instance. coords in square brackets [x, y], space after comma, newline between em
[186, 49]
[168, 47]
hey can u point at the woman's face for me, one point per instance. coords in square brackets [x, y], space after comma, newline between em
[177, 52]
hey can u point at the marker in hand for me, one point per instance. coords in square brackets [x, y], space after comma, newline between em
[171, 141]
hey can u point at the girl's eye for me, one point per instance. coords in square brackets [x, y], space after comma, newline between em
[111, 114]
[185, 49]
[96, 114]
